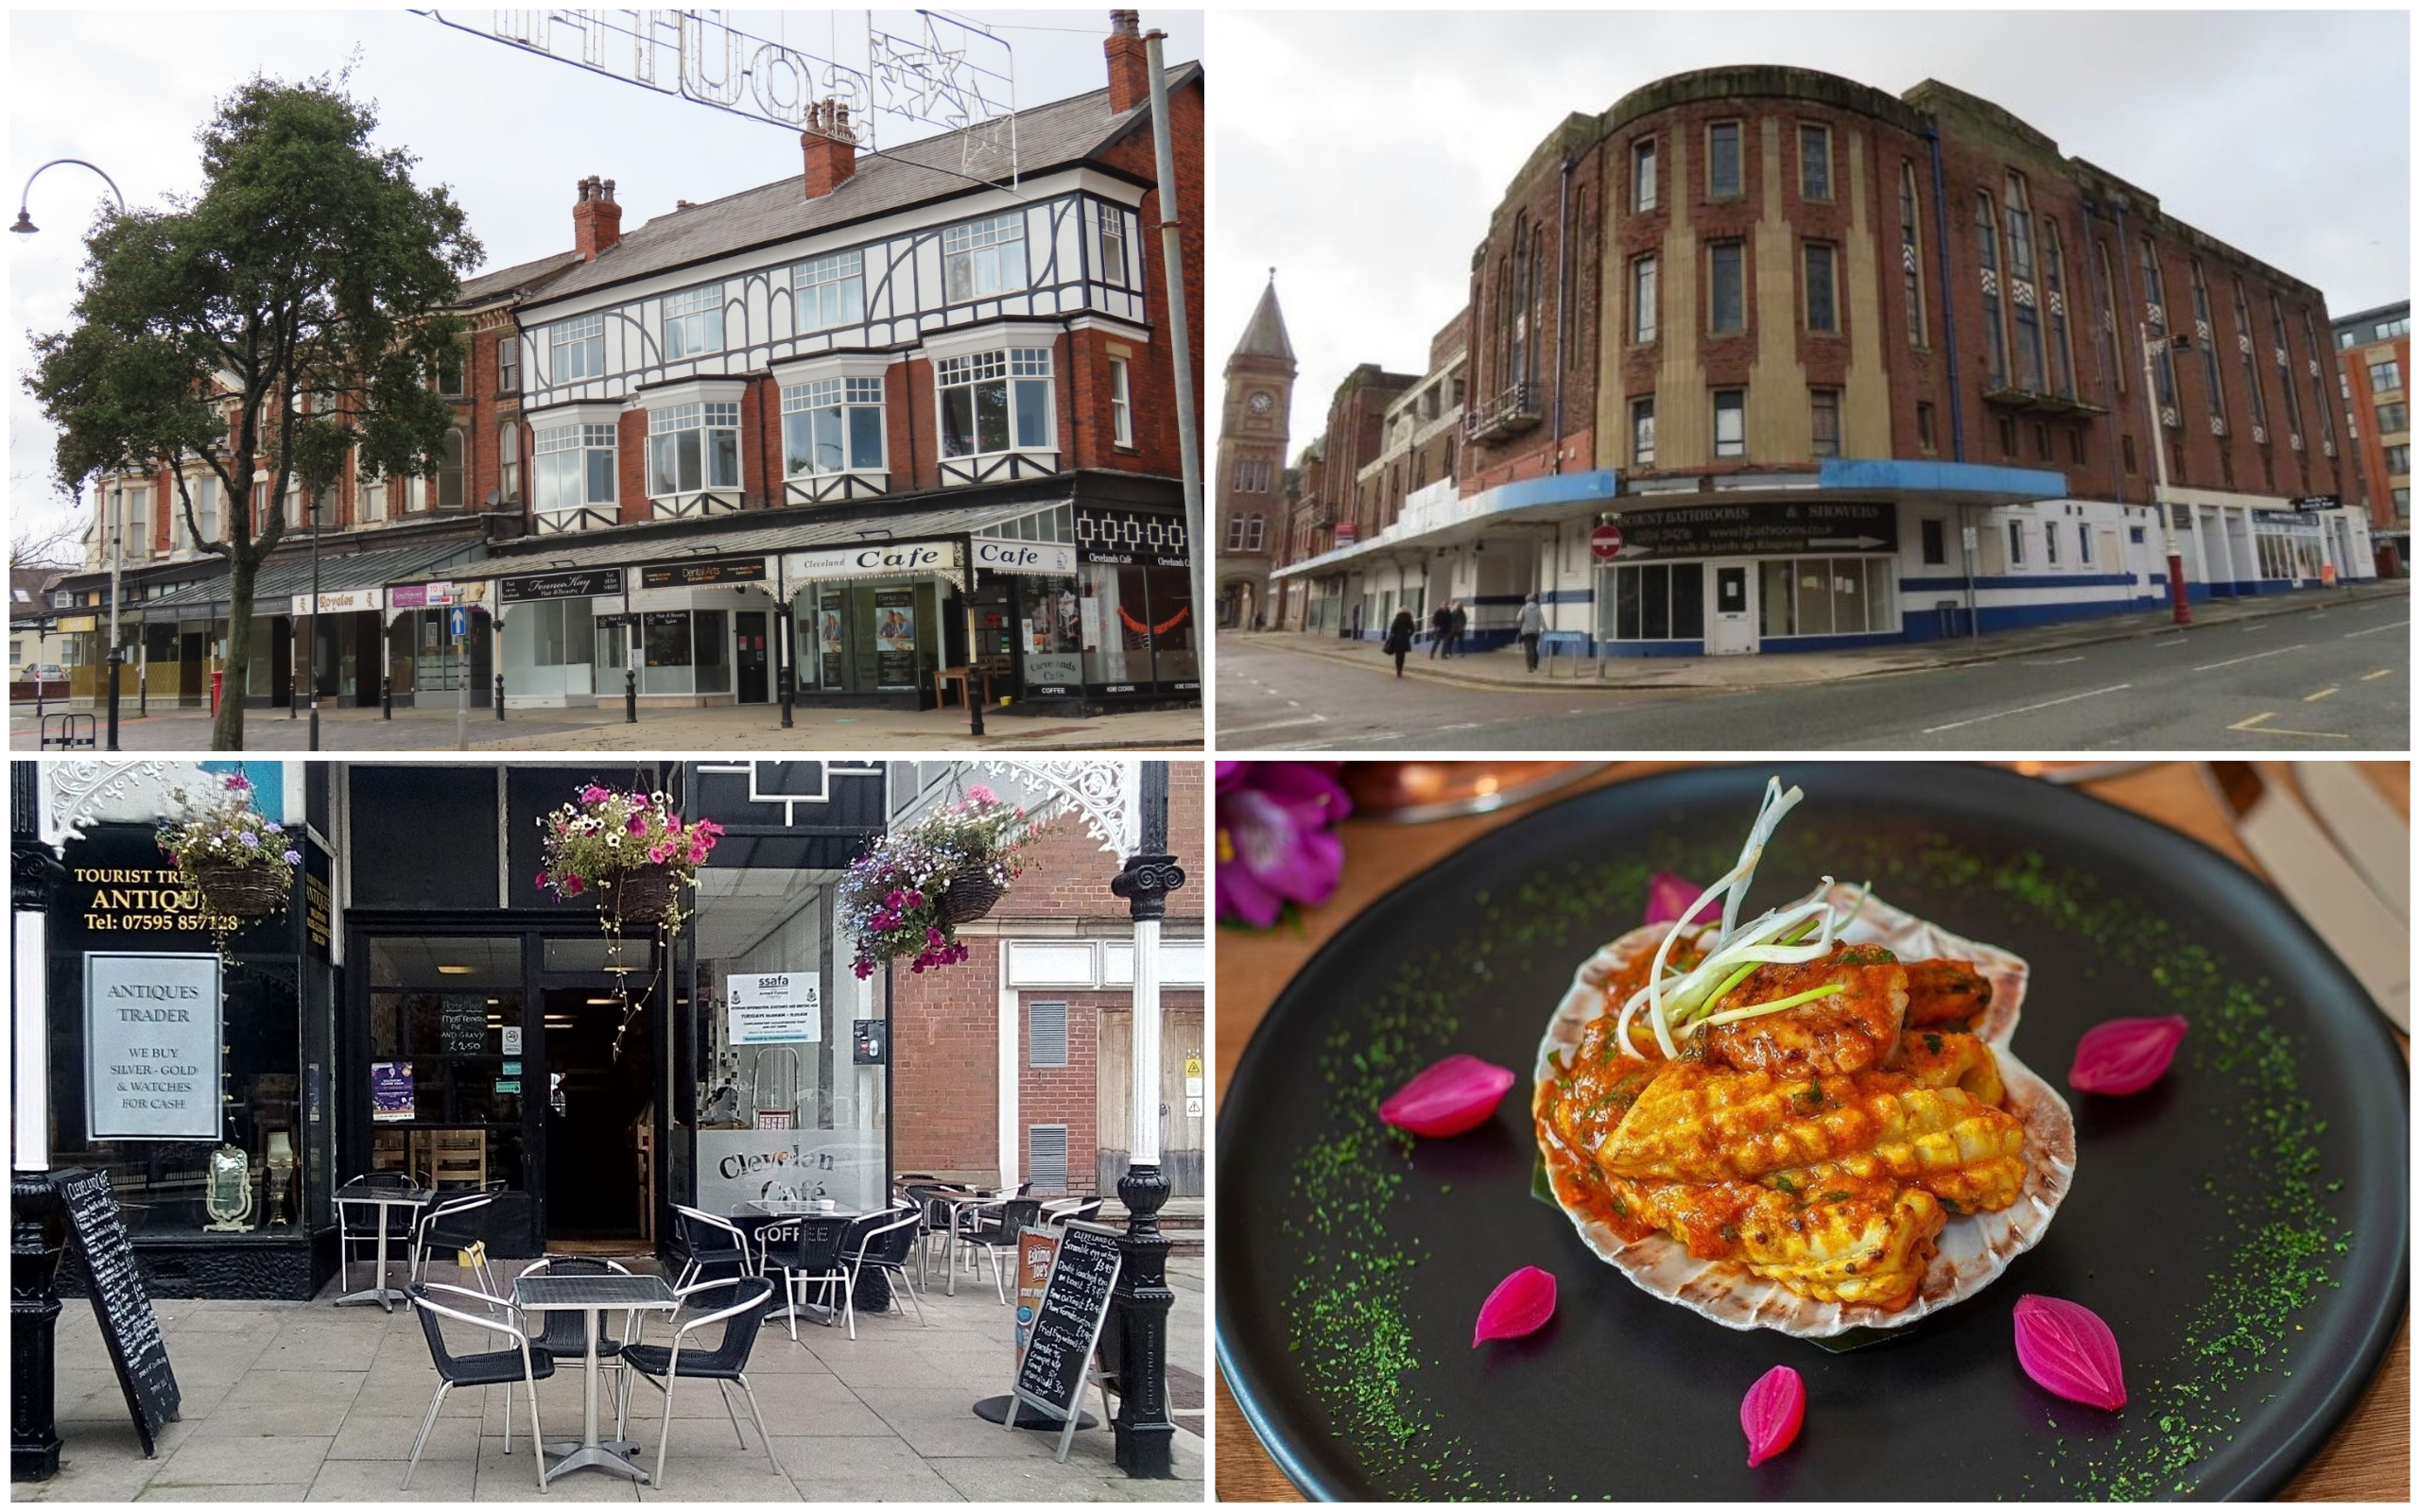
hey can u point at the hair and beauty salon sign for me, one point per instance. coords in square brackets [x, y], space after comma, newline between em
[151, 1027]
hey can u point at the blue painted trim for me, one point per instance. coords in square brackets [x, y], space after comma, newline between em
[1945, 585]
[1645, 648]
[1940, 477]
[1565, 488]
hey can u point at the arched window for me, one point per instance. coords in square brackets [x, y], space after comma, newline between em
[2110, 350]
[2207, 336]
[2285, 369]
[2155, 326]
[2319, 383]
[2055, 288]
[2244, 342]
[1987, 254]
[1912, 253]
[2024, 299]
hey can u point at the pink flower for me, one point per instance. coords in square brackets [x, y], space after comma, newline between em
[981, 794]
[657, 854]
[637, 824]
[932, 936]
[1277, 837]
[541, 879]
[572, 887]
[592, 794]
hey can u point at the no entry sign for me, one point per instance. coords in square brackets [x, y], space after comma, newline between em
[1605, 541]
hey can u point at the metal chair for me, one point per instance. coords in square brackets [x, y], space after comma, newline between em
[884, 1241]
[809, 1256]
[1007, 1227]
[445, 1225]
[350, 1232]
[520, 1362]
[565, 1334]
[1071, 1210]
[712, 1245]
[741, 1311]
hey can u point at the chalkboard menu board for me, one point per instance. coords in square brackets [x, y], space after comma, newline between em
[129, 1326]
[463, 1027]
[1075, 1304]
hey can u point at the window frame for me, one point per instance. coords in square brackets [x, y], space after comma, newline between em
[709, 418]
[1113, 234]
[848, 290]
[1820, 401]
[1739, 257]
[1808, 253]
[1817, 129]
[1738, 137]
[2016, 540]
[1121, 404]
[984, 234]
[702, 303]
[1642, 409]
[577, 333]
[507, 460]
[1911, 254]
[972, 374]
[845, 397]
[2393, 381]
[1645, 297]
[591, 438]
[508, 363]
[1738, 407]
[1644, 153]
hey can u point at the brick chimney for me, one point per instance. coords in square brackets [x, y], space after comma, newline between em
[595, 221]
[831, 150]
[1129, 79]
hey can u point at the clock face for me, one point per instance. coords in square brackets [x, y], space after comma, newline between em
[1261, 403]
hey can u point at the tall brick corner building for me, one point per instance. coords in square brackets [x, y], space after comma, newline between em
[1837, 368]
[1014, 1066]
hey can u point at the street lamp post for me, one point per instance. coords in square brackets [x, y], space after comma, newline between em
[117, 569]
[2178, 602]
[314, 659]
[25, 226]
[37, 1234]
[1144, 1432]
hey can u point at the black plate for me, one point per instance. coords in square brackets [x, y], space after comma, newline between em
[2241, 1225]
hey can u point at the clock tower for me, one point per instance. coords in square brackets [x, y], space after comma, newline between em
[1250, 516]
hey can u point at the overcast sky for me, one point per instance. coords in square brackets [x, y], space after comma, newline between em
[1361, 153]
[510, 133]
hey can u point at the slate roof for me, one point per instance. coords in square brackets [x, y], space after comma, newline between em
[1265, 335]
[283, 577]
[1049, 136]
[520, 277]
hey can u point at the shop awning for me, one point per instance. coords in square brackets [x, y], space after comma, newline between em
[1432, 519]
[276, 585]
[568, 553]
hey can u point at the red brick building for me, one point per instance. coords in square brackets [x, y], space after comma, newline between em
[2374, 354]
[1841, 366]
[1015, 1065]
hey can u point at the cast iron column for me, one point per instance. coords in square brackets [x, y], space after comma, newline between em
[37, 1234]
[1144, 1432]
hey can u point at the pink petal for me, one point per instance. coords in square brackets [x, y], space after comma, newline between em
[1669, 894]
[1454, 1096]
[2125, 1055]
[1521, 1304]
[1772, 1412]
[2069, 1352]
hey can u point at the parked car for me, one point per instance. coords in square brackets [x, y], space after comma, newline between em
[51, 675]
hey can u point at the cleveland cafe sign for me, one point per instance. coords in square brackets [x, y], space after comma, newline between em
[875, 559]
[151, 1032]
[1038, 557]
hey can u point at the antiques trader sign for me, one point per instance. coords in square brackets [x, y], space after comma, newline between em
[136, 900]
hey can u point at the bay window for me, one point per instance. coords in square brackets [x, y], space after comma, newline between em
[572, 467]
[691, 447]
[1112, 244]
[984, 257]
[830, 290]
[995, 401]
[832, 426]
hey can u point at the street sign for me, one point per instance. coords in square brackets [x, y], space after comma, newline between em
[2314, 502]
[1605, 541]
[459, 621]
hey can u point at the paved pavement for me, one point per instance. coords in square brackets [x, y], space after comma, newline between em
[291, 1401]
[692, 729]
[2310, 675]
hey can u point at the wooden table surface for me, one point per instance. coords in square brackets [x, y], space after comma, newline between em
[2368, 1460]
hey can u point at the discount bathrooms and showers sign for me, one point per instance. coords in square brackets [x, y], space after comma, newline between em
[151, 1028]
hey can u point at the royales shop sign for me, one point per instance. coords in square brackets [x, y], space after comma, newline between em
[878, 558]
[152, 1025]
[1036, 557]
[1758, 530]
[587, 583]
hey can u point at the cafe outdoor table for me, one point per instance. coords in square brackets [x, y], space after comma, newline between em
[961, 1205]
[2367, 1460]
[381, 1199]
[593, 1295]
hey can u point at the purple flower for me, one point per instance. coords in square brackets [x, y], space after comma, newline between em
[294, 858]
[1277, 837]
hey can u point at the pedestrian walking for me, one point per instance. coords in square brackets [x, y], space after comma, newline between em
[1461, 626]
[1399, 636]
[1533, 624]
[1441, 630]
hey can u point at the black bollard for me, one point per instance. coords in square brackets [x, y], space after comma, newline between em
[386, 697]
[499, 698]
[630, 696]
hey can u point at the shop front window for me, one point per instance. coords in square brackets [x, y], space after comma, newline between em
[444, 1080]
[1137, 627]
[1659, 601]
[1827, 596]
[547, 648]
[666, 638]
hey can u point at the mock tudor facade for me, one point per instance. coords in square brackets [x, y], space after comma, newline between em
[824, 439]
[1763, 359]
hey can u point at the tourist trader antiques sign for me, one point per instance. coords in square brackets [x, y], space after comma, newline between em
[1758, 530]
[151, 1027]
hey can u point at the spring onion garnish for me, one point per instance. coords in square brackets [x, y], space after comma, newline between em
[1678, 1003]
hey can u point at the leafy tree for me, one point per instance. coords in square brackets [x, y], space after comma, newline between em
[289, 317]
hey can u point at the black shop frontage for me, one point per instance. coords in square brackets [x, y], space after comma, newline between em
[423, 1006]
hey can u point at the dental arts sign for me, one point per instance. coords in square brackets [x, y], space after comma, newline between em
[151, 1028]
[875, 559]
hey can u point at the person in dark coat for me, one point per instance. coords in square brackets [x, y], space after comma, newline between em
[1460, 628]
[1441, 630]
[1399, 636]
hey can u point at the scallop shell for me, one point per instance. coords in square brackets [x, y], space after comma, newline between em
[1973, 1249]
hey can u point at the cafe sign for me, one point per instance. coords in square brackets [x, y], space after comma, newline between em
[1036, 556]
[152, 1030]
[586, 583]
[878, 558]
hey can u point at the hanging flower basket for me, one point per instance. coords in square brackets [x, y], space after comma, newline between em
[908, 893]
[236, 862]
[627, 851]
[640, 897]
[969, 895]
[244, 892]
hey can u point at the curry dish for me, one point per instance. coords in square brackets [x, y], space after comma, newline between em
[1823, 1146]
